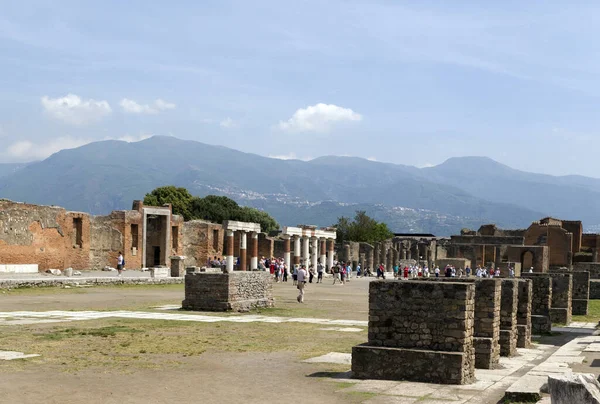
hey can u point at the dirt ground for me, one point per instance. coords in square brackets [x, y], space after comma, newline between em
[216, 375]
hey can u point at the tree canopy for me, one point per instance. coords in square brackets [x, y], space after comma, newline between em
[212, 207]
[363, 229]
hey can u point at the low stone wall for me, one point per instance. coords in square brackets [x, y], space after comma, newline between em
[592, 267]
[82, 281]
[524, 313]
[540, 324]
[407, 342]
[234, 291]
[508, 317]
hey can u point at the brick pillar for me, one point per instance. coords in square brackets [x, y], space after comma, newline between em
[254, 251]
[322, 249]
[229, 252]
[524, 313]
[286, 250]
[508, 317]
[330, 257]
[296, 250]
[243, 246]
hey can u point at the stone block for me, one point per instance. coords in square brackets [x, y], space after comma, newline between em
[574, 388]
[508, 342]
[159, 272]
[386, 363]
[560, 315]
[177, 266]
[19, 269]
[523, 336]
[487, 352]
[540, 324]
[234, 291]
[595, 289]
[579, 307]
[541, 299]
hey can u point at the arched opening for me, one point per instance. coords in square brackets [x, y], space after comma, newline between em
[526, 261]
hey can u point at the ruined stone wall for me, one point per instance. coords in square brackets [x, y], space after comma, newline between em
[486, 240]
[107, 240]
[562, 286]
[236, 291]
[594, 289]
[409, 342]
[592, 267]
[574, 227]
[508, 317]
[524, 313]
[581, 293]
[456, 262]
[43, 235]
[201, 240]
[266, 247]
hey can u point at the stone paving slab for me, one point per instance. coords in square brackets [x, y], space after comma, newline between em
[12, 355]
[332, 357]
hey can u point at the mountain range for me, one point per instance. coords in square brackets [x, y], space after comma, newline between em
[461, 192]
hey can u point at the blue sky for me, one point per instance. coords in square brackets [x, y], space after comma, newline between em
[404, 82]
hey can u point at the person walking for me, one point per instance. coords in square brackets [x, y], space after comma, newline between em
[120, 263]
[311, 273]
[301, 283]
[320, 273]
[336, 274]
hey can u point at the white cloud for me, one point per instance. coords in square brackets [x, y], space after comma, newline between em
[318, 118]
[372, 158]
[228, 123]
[289, 156]
[26, 150]
[132, 107]
[75, 111]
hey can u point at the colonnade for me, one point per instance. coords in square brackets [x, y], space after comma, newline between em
[242, 229]
[311, 246]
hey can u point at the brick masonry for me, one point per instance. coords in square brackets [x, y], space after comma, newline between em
[594, 289]
[561, 309]
[508, 317]
[409, 342]
[581, 293]
[524, 313]
[235, 291]
[541, 302]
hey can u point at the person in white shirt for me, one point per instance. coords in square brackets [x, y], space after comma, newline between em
[302, 274]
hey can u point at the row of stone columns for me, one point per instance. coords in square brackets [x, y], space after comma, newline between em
[303, 255]
[243, 250]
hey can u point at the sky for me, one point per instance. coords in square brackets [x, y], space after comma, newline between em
[396, 81]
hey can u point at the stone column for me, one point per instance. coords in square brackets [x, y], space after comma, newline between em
[254, 251]
[286, 250]
[243, 247]
[322, 249]
[229, 252]
[305, 252]
[296, 250]
[369, 262]
[314, 252]
[330, 257]
[347, 253]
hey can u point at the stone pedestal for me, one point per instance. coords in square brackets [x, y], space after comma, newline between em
[231, 291]
[524, 313]
[562, 287]
[159, 272]
[177, 266]
[407, 342]
[508, 317]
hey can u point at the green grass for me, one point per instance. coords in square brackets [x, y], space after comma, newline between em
[593, 315]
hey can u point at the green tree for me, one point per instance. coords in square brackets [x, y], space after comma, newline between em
[212, 207]
[179, 198]
[363, 229]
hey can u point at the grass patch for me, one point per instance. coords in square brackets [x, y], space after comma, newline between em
[593, 315]
[127, 344]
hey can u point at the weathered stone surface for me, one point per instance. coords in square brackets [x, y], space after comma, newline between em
[159, 272]
[103, 281]
[562, 286]
[409, 342]
[595, 289]
[508, 317]
[524, 313]
[579, 307]
[540, 324]
[580, 388]
[234, 291]
[384, 363]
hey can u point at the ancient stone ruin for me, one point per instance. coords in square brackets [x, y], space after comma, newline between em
[409, 341]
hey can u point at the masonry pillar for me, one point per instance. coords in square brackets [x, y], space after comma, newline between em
[229, 253]
[370, 259]
[254, 252]
[305, 251]
[347, 253]
[330, 257]
[322, 249]
[286, 250]
[243, 247]
[314, 253]
[296, 250]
